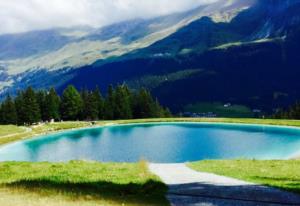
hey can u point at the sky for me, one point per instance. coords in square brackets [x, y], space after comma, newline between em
[26, 15]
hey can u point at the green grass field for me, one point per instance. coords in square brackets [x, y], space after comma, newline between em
[283, 174]
[9, 130]
[79, 183]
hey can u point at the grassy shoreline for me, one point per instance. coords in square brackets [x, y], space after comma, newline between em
[282, 174]
[10, 133]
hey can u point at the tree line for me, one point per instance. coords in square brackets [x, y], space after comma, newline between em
[30, 106]
[292, 112]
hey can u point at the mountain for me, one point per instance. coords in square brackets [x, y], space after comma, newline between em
[250, 60]
[42, 58]
[238, 51]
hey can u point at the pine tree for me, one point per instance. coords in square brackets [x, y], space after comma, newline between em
[51, 107]
[84, 93]
[19, 103]
[122, 104]
[294, 112]
[71, 105]
[167, 113]
[158, 110]
[93, 107]
[8, 112]
[41, 97]
[144, 106]
[90, 105]
[109, 104]
[100, 102]
[31, 108]
[130, 97]
[1, 114]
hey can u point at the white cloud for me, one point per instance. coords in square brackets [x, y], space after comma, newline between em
[26, 15]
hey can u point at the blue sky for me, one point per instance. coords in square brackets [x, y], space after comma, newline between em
[25, 15]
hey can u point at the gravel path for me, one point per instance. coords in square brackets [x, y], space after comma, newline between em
[188, 187]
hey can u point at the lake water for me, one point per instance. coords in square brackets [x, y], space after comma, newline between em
[163, 143]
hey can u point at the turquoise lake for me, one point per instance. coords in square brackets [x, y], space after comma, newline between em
[160, 143]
